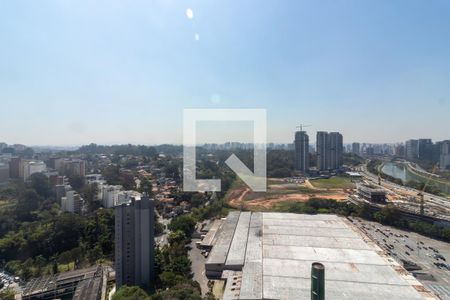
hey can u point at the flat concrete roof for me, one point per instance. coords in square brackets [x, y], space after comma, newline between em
[219, 252]
[280, 248]
[210, 236]
[236, 254]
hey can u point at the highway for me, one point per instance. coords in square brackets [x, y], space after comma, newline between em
[435, 206]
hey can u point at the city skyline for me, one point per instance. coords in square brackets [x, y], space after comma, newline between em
[269, 143]
[124, 73]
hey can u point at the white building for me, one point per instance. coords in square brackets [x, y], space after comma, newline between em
[126, 196]
[99, 181]
[110, 195]
[31, 167]
[72, 202]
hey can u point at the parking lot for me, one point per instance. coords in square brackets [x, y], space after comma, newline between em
[427, 259]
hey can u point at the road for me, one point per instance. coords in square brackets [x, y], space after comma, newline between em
[162, 239]
[434, 205]
[413, 247]
[195, 255]
[198, 266]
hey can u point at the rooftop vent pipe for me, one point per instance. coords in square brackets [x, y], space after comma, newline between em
[317, 281]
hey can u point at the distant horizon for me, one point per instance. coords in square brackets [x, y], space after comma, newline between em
[198, 144]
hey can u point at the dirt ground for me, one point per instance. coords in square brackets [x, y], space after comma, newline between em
[237, 197]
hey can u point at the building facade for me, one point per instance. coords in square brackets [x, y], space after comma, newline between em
[425, 149]
[4, 172]
[301, 143]
[336, 151]
[322, 150]
[329, 149]
[72, 202]
[444, 161]
[356, 148]
[28, 168]
[412, 149]
[110, 195]
[372, 193]
[134, 243]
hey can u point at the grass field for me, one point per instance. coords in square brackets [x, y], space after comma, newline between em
[336, 182]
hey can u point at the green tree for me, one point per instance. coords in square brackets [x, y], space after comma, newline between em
[387, 215]
[185, 223]
[68, 229]
[112, 174]
[28, 202]
[89, 193]
[130, 293]
[364, 211]
[188, 290]
[170, 279]
[39, 182]
[77, 182]
[127, 181]
[7, 294]
[177, 237]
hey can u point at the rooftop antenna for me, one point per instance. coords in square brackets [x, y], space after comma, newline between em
[303, 125]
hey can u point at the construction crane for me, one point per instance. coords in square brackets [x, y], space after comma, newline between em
[421, 194]
[303, 125]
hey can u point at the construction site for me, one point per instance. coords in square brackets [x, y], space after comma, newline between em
[258, 255]
[415, 202]
[289, 190]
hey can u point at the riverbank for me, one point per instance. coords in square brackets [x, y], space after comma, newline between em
[406, 173]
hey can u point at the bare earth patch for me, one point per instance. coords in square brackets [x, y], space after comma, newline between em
[243, 197]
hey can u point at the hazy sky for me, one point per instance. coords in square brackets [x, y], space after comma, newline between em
[75, 72]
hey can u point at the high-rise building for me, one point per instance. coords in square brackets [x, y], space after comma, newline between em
[322, 150]
[425, 149]
[329, 148]
[73, 167]
[14, 167]
[412, 149]
[28, 168]
[134, 243]
[444, 161]
[356, 148]
[399, 150]
[4, 172]
[301, 143]
[110, 194]
[336, 150]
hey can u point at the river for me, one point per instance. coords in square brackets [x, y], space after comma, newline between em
[399, 170]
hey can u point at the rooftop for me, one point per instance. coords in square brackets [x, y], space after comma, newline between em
[80, 284]
[269, 256]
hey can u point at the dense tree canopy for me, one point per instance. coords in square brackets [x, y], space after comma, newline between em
[130, 293]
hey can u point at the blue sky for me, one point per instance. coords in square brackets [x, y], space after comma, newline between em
[75, 72]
